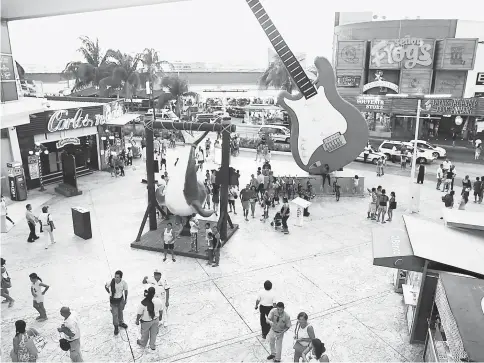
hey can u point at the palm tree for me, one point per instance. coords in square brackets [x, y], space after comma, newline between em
[177, 88]
[153, 73]
[95, 66]
[277, 76]
[124, 76]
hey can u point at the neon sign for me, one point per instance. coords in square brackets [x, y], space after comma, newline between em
[58, 123]
[410, 51]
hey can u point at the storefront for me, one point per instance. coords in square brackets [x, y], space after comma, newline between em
[67, 127]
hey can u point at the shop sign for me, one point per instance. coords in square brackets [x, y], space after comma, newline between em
[478, 94]
[380, 82]
[7, 68]
[410, 51]
[69, 141]
[60, 122]
[348, 81]
[13, 190]
[451, 106]
[480, 79]
[371, 103]
[113, 110]
[33, 162]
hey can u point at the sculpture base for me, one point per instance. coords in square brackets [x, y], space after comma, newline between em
[67, 190]
[152, 240]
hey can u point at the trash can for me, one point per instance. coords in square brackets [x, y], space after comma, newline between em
[81, 219]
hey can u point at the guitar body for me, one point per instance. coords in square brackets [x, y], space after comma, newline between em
[327, 132]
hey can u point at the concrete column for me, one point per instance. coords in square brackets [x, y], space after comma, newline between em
[14, 145]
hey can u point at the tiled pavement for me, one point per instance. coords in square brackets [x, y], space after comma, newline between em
[324, 268]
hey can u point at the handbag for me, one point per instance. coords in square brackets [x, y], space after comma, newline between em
[39, 342]
[298, 347]
[64, 344]
[393, 205]
[6, 282]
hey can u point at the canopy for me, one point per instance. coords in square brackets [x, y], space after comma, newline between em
[123, 120]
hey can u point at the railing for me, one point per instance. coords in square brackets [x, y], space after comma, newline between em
[56, 177]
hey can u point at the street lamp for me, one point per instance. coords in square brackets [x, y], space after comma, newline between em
[39, 149]
[419, 98]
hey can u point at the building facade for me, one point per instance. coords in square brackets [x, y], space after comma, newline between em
[375, 59]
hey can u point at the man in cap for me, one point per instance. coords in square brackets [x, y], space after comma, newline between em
[162, 289]
[70, 330]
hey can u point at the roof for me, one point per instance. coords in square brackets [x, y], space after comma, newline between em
[62, 105]
[464, 295]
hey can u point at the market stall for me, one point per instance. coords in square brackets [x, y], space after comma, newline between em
[456, 326]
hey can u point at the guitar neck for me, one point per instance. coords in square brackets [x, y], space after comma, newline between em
[287, 57]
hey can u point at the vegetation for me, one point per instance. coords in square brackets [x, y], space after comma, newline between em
[276, 76]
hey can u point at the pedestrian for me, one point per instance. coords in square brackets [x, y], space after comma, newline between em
[24, 349]
[316, 349]
[266, 203]
[366, 153]
[216, 243]
[208, 191]
[403, 159]
[194, 233]
[481, 194]
[121, 165]
[3, 203]
[31, 221]
[258, 152]
[200, 159]
[265, 302]
[163, 160]
[130, 156]
[372, 204]
[326, 175]
[448, 180]
[466, 188]
[253, 200]
[454, 174]
[478, 151]
[379, 164]
[454, 136]
[356, 182]
[477, 189]
[47, 226]
[382, 206]
[162, 291]
[117, 289]
[72, 333]
[215, 197]
[303, 335]
[285, 213]
[421, 174]
[38, 295]
[6, 284]
[383, 163]
[208, 143]
[439, 176]
[169, 241]
[392, 205]
[208, 231]
[232, 197]
[149, 314]
[260, 180]
[245, 196]
[448, 200]
[280, 322]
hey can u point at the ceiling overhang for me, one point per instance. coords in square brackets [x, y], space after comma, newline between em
[28, 9]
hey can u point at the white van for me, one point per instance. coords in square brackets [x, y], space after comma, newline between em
[277, 133]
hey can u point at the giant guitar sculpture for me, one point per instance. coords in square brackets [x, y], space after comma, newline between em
[327, 132]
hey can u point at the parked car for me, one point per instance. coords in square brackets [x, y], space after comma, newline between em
[278, 133]
[437, 151]
[205, 117]
[373, 156]
[162, 114]
[393, 151]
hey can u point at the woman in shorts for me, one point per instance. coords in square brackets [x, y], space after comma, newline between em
[169, 241]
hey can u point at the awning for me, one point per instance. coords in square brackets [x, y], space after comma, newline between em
[123, 120]
[392, 248]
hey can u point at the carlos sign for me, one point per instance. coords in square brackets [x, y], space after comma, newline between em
[405, 52]
[60, 120]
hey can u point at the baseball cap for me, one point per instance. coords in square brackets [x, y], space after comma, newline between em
[157, 271]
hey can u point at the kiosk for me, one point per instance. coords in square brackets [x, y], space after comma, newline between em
[16, 181]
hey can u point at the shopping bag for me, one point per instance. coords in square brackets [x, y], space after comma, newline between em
[39, 342]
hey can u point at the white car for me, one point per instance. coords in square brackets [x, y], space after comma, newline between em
[278, 133]
[162, 114]
[373, 156]
[393, 151]
[437, 151]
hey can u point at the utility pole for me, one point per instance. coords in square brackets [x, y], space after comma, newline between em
[150, 173]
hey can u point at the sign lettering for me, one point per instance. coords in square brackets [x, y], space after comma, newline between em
[452, 106]
[71, 140]
[58, 122]
[410, 51]
[348, 81]
[371, 103]
[13, 190]
[381, 84]
[480, 79]
[34, 171]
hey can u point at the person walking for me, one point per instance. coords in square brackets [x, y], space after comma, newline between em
[38, 295]
[232, 197]
[379, 164]
[245, 196]
[366, 153]
[253, 200]
[162, 291]
[216, 243]
[303, 335]
[72, 333]
[382, 206]
[280, 322]
[3, 204]
[466, 188]
[477, 189]
[6, 284]
[440, 173]
[265, 302]
[317, 349]
[47, 227]
[285, 213]
[130, 156]
[448, 180]
[421, 174]
[31, 222]
[24, 349]
[200, 159]
[392, 205]
[215, 197]
[208, 144]
[120, 164]
[169, 241]
[194, 226]
[117, 289]
[149, 314]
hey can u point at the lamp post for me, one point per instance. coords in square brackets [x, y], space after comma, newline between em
[419, 98]
[39, 149]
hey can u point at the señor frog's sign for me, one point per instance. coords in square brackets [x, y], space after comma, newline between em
[60, 120]
[404, 53]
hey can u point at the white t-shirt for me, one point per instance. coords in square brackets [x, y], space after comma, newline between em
[193, 226]
[119, 288]
[45, 218]
[37, 291]
[267, 298]
[143, 310]
[356, 182]
[160, 286]
[72, 323]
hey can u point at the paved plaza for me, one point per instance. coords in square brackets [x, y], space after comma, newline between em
[323, 268]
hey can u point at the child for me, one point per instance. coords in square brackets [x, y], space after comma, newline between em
[336, 188]
[277, 222]
[194, 233]
[356, 181]
[208, 236]
[392, 205]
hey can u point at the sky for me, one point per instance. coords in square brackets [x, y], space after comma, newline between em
[203, 30]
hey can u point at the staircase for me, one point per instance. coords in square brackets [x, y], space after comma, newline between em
[57, 176]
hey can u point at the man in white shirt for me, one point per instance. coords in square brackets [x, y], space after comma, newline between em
[45, 219]
[70, 330]
[159, 282]
[439, 176]
[117, 289]
[446, 165]
[266, 301]
[149, 323]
